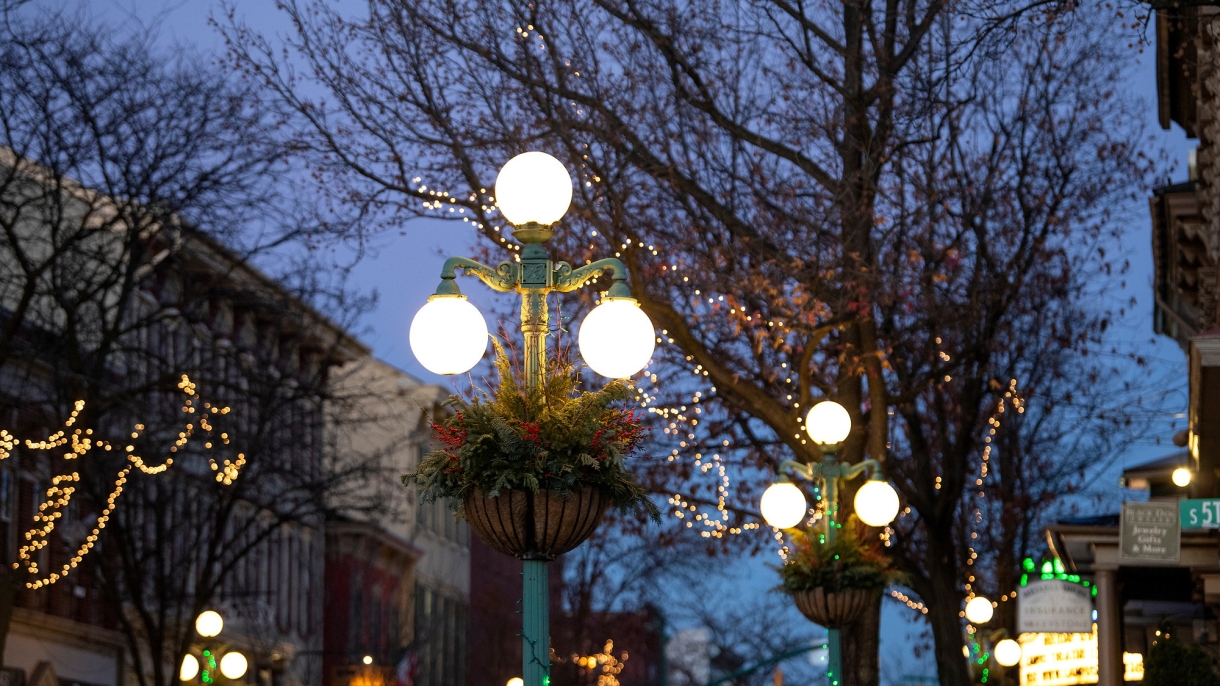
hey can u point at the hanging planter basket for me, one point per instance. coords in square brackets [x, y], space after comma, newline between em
[833, 610]
[538, 525]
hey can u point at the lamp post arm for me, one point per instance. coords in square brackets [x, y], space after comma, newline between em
[568, 279]
[808, 472]
[502, 278]
[851, 471]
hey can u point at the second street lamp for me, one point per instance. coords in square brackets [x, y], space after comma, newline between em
[232, 665]
[616, 339]
[784, 506]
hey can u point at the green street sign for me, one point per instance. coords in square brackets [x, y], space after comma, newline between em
[1150, 532]
[1200, 513]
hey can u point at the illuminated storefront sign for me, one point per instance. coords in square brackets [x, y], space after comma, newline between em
[1068, 659]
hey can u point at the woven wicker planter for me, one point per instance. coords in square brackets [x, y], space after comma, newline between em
[534, 526]
[833, 610]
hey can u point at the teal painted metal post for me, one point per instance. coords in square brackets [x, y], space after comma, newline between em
[535, 626]
[830, 491]
[536, 271]
[834, 658]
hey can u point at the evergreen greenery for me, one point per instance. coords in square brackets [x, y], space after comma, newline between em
[1171, 662]
[556, 437]
[846, 563]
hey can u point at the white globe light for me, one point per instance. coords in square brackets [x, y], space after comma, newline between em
[1181, 477]
[876, 503]
[448, 335]
[783, 505]
[233, 665]
[516, 681]
[979, 610]
[533, 187]
[617, 339]
[828, 423]
[189, 669]
[1007, 652]
[209, 623]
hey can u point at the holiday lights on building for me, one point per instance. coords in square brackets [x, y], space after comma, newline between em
[80, 443]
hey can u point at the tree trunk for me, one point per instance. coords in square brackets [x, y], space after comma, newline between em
[947, 627]
[861, 640]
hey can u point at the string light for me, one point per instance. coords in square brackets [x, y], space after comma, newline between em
[62, 488]
[609, 665]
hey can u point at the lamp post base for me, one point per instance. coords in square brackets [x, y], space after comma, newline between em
[535, 625]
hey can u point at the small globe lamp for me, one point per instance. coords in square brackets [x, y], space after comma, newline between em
[233, 665]
[189, 669]
[209, 623]
[828, 423]
[783, 505]
[876, 502]
[1007, 652]
[1181, 477]
[979, 610]
[448, 335]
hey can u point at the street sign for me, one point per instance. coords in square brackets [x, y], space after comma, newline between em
[1150, 532]
[1054, 606]
[1199, 513]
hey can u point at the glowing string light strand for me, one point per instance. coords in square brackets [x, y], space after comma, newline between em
[63, 487]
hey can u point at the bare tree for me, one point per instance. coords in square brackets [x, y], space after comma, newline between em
[137, 192]
[899, 205]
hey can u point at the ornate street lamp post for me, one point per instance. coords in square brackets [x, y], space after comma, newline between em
[783, 505]
[616, 339]
[231, 665]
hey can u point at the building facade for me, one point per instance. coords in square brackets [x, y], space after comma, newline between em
[1136, 601]
[398, 569]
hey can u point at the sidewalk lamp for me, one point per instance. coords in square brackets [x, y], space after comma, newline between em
[1007, 652]
[979, 610]
[784, 506]
[449, 335]
[231, 665]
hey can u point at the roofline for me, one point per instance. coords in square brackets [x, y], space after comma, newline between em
[349, 344]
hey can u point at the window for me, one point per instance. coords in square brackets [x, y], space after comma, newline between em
[440, 638]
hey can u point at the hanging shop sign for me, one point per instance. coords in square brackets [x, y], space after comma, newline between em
[1150, 532]
[1054, 606]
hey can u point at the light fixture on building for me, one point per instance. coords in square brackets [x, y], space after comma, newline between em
[515, 681]
[368, 659]
[1181, 477]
